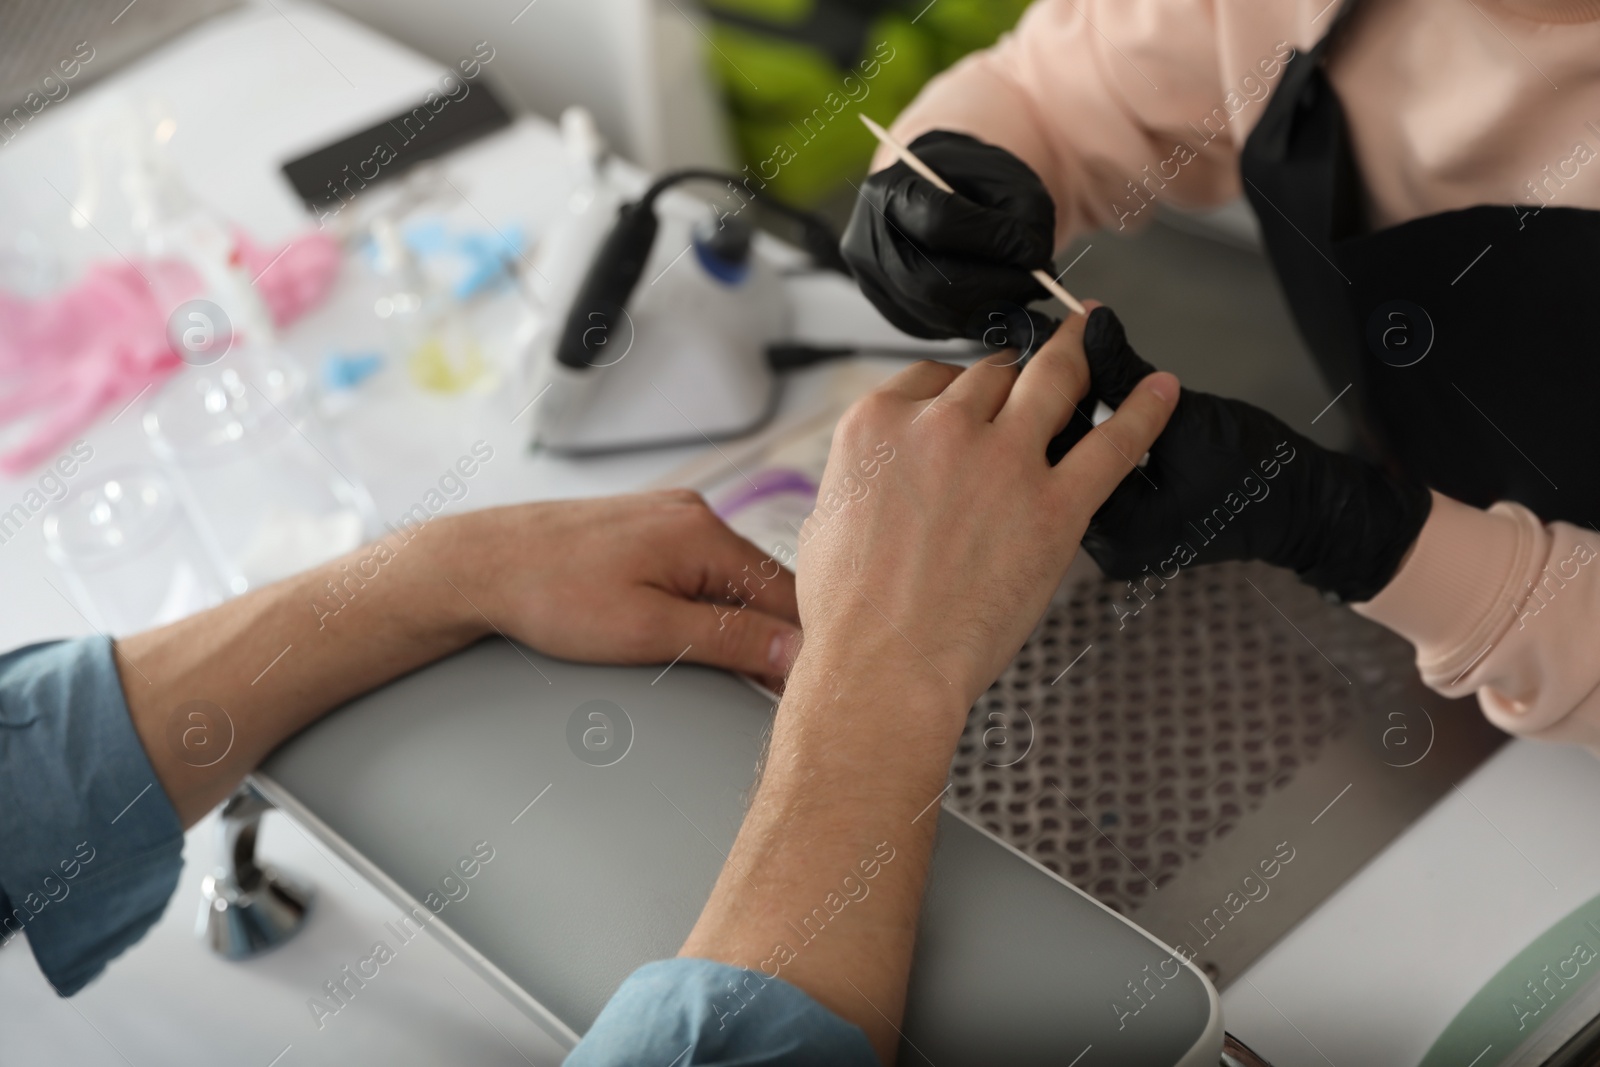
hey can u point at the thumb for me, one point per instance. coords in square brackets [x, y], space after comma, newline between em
[734, 638]
[1114, 367]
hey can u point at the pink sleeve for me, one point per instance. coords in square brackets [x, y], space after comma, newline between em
[1498, 603]
[1115, 104]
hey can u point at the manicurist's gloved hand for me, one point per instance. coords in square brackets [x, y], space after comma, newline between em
[1228, 481]
[941, 265]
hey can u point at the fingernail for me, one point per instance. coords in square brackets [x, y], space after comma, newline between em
[782, 651]
[1164, 384]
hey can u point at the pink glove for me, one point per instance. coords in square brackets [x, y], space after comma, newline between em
[68, 358]
[293, 279]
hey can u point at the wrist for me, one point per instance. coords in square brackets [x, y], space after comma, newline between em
[875, 697]
[1368, 531]
[443, 587]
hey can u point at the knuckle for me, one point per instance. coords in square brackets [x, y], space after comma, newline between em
[941, 416]
[1074, 378]
[1006, 364]
[927, 372]
[730, 640]
[701, 521]
[643, 628]
[948, 427]
[1140, 420]
[871, 410]
[1069, 353]
[687, 497]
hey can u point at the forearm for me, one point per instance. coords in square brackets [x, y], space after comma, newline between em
[210, 696]
[1500, 604]
[823, 887]
[1056, 94]
[981, 98]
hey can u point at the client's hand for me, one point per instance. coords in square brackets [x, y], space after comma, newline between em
[1228, 481]
[635, 579]
[943, 529]
[629, 579]
[940, 532]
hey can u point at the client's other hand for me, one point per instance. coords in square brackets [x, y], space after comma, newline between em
[942, 529]
[1228, 481]
[628, 579]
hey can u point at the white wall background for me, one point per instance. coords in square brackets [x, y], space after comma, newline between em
[637, 65]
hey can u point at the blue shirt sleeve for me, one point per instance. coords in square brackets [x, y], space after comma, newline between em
[680, 1012]
[90, 846]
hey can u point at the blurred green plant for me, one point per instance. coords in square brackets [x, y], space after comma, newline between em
[795, 72]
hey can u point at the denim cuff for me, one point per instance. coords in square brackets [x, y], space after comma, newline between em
[90, 846]
[691, 1011]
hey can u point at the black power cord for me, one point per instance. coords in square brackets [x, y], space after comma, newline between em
[792, 355]
[817, 237]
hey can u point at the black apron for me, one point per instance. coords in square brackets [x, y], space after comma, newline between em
[1469, 337]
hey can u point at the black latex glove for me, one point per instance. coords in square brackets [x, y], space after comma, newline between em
[1228, 481]
[940, 265]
